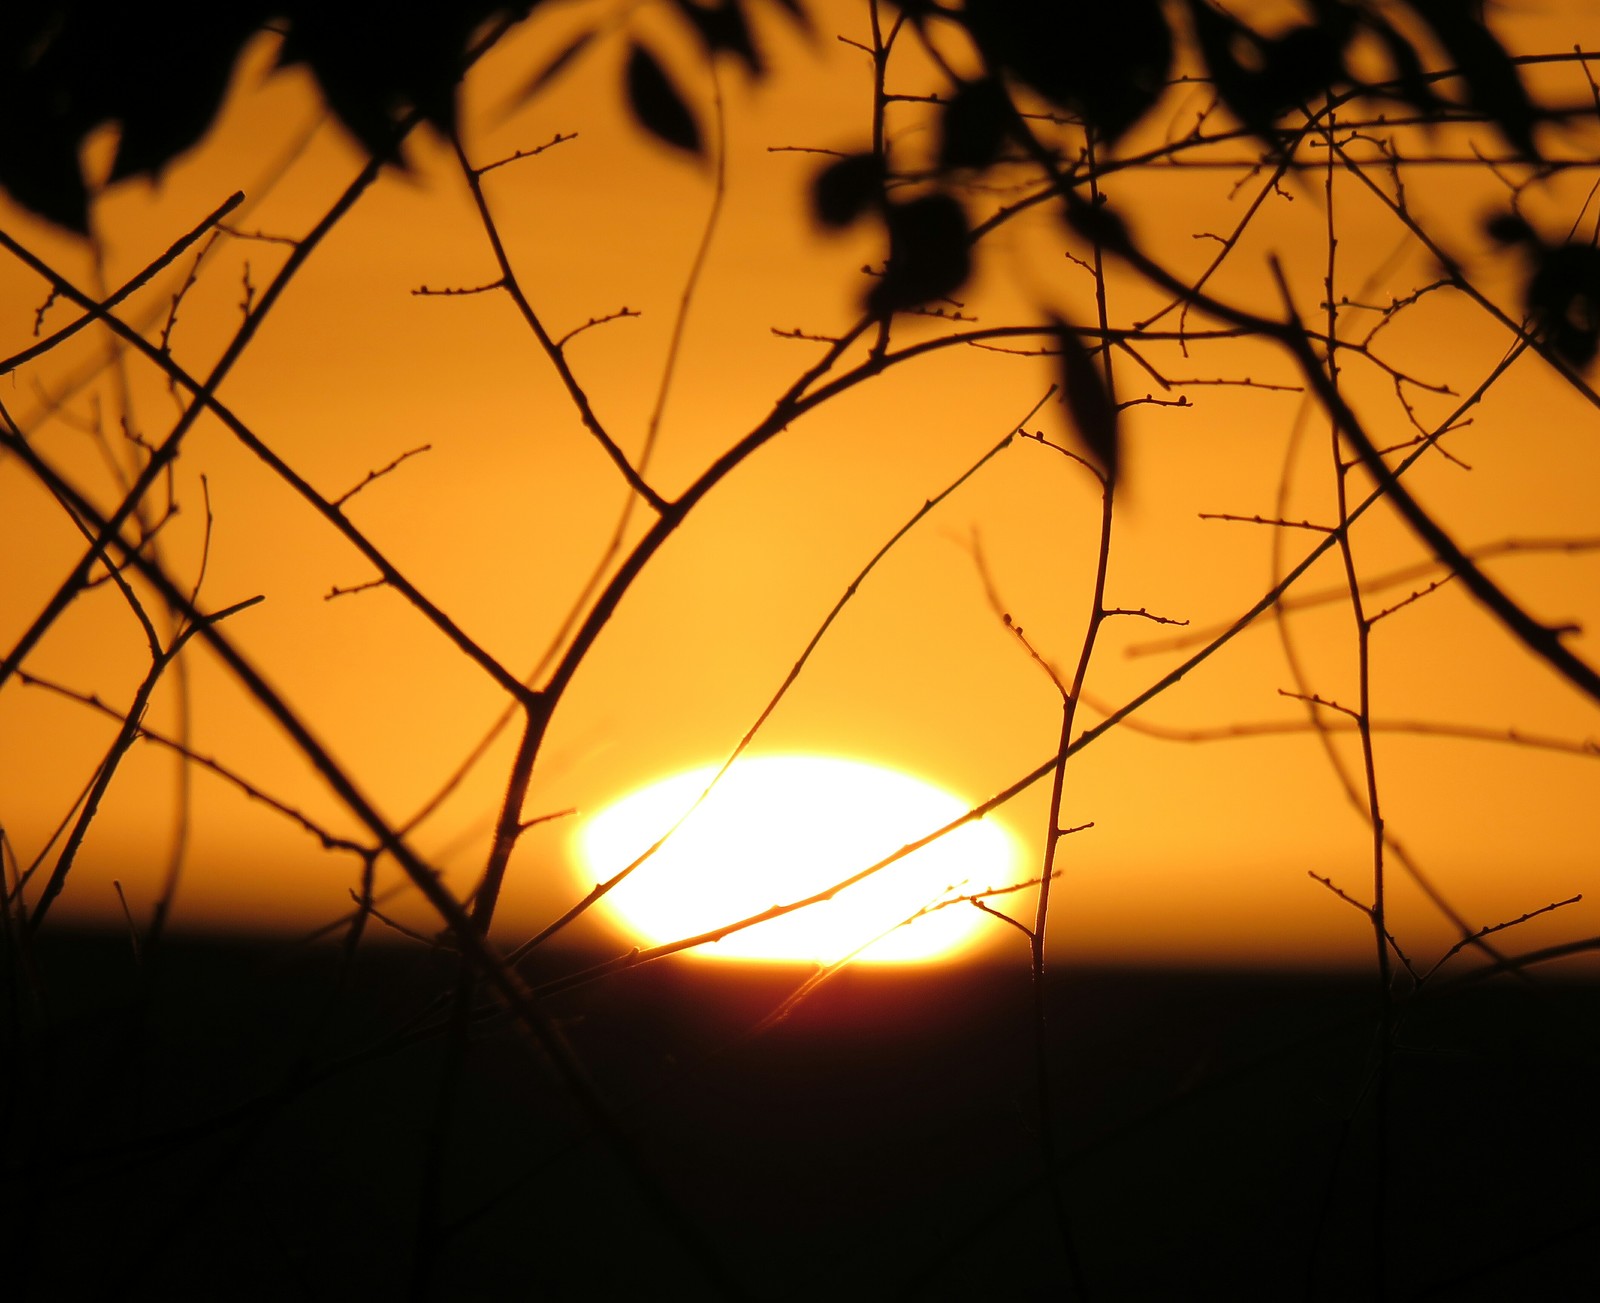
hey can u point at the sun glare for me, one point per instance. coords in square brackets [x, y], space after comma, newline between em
[779, 828]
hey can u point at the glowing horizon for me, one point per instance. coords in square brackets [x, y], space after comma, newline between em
[777, 829]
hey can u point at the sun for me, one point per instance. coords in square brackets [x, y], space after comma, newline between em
[779, 828]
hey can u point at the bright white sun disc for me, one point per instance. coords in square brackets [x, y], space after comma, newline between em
[779, 828]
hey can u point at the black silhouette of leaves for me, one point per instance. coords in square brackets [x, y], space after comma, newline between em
[929, 256]
[372, 68]
[1303, 64]
[159, 69]
[1083, 390]
[656, 103]
[1563, 297]
[1494, 87]
[846, 188]
[40, 171]
[65, 69]
[173, 114]
[1259, 79]
[1100, 225]
[1509, 230]
[1410, 80]
[723, 28]
[976, 123]
[1107, 62]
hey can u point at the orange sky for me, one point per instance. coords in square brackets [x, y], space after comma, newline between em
[1200, 849]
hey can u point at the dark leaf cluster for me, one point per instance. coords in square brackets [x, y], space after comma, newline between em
[159, 70]
[1261, 78]
[1108, 64]
[657, 103]
[67, 68]
[1562, 295]
[930, 252]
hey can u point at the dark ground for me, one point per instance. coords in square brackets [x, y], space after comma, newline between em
[176, 1134]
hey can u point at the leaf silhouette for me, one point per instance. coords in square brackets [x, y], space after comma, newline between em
[1410, 81]
[371, 68]
[1302, 65]
[1100, 224]
[656, 103]
[68, 66]
[1083, 390]
[1494, 87]
[40, 171]
[975, 125]
[723, 27]
[1259, 78]
[65, 69]
[170, 118]
[846, 188]
[1563, 297]
[929, 255]
[1509, 229]
[1107, 62]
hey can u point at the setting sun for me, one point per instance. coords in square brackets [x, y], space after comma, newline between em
[781, 828]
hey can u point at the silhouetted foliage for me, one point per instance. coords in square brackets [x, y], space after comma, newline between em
[928, 253]
[1494, 88]
[1106, 63]
[1562, 296]
[1093, 411]
[656, 103]
[847, 189]
[160, 70]
[976, 123]
[1260, 79]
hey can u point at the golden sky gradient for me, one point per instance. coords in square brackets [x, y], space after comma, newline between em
[1201, 848]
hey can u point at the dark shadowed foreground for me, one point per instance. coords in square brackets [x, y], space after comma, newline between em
[179, 1134]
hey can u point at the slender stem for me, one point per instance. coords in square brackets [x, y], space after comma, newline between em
[96, 312]
[1363, 719]
[512, 286]
[125, 738]
[1056, 828]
